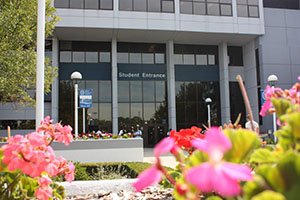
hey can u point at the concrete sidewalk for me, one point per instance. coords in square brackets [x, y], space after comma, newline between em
[167, 160]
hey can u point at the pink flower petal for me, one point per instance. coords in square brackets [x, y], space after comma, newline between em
[217, 141]
[265, 108]
[200, 144]
[148, 177]
[225, 186]
[200, 176]
[299, 78]
[237, 171]
[164, 146]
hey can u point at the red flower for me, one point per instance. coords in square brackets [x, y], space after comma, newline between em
[184, 136]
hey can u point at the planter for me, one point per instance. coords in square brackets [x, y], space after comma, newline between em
[108, 150]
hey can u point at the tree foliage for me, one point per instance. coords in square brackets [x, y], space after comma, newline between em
[18, 30]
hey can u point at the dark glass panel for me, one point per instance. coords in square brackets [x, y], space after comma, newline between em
[105, 91]
[76, 3]
[149, 111]
[123, 91]
[167, 6]
[61, 3]
[287, 4]
[66, 102]
[65, 45]
[17, 124]
[93, 114]
[94, 86]
[135, 91]
[235, 56]
[140, 5]
[236, 103]
[179, 91]
[148, 91]
[180, 112]
[106, 4]
[105, 112]
[91, 4]
[160, 88]
[191, 112]
[202, 113]
[125, 5]
[186, 7]
[190, 91]
[123, 110]
[154, 6]
[184, 49]
[213, 9]
[136, 110]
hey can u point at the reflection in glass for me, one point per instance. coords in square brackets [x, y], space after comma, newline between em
[191, 112]
[123, 91]
[78, 57]
[135, 91]
[105, 57]
[160, 91]
[136, 110]
[105, 111]
[180, 113]
[122, 57]
[65, 56]
[105, 91]
[93, 114]
[94, 86]
[179, 91]
[148, 91]
[123, 110]
[91, 57]
[135, 58]
[149, 110]
[190, 91]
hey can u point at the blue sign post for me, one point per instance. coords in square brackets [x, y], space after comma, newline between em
[85, 98]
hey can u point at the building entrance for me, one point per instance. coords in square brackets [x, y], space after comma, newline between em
[153, 133]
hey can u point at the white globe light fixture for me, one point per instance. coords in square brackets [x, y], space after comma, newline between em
[272, 80]
[208, 102]
[76, 76]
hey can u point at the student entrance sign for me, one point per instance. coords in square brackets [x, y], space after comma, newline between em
[85, 98]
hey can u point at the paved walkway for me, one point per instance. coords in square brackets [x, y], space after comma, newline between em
[166, 160]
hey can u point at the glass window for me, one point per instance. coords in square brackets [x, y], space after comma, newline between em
[186, 7]
[105, 111]
[136, 110]
[242, 10]
[154, 5]
[94, 86]
[139, 5]
[253, 2]
[148, 91]
[213, 1]
[104, 57]
[61, 3]
[125, 4]
[178, 59]
[199, 8]
[123, 91]
[105, 91]
[226, 10]
[211, 60]
[160, 92]
[201, 59]
[93, 113]
[91, 57]
[135, 91]
[213, 9]
[241, 2]
[160, 58]
[76, 3]
[123, 110]
[253, 11]
[167, 6]
[191, 112]
[149, 111]
[91, 4]
[135, 58]
[225, 1]
[65, 56]
[148, 58]
[78, 57]
[179, 91]
[188, 59]
[106, 4]
[180, 112]
[122, 58]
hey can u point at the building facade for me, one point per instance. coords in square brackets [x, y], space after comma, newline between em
[152, 63]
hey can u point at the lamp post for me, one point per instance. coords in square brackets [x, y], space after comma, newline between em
[76, 76]
[272, 80]
[208, 102]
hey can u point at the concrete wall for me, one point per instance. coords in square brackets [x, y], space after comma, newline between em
[280, 50]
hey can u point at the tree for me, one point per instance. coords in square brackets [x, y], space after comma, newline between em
[18, 30]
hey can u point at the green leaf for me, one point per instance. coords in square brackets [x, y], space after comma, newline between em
[243, 143]
[252, 188]
[282, 106]
[293, 121]
[214, 198]
[196, 158]
[3, 166]
[269, 195]
[263, 156]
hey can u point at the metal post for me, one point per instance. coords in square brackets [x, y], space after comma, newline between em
[40, 76]
[83, 120]
[274, 125]
[76, 110]
[208, 115]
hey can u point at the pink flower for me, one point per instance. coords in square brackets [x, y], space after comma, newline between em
[43, 193]
[164, 146]
[69, 172]
[267, 105]
[148, 177]
[44, 181]
[299, 78]
[217, 175]
[46, 121]
[64, 135]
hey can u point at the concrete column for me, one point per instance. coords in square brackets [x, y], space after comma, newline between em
[250, 77]
[114, 81]
[234, 9]
[224, 83]
[171, 85]
[55, 84]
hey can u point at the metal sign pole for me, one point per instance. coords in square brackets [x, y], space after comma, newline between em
[83, 120]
